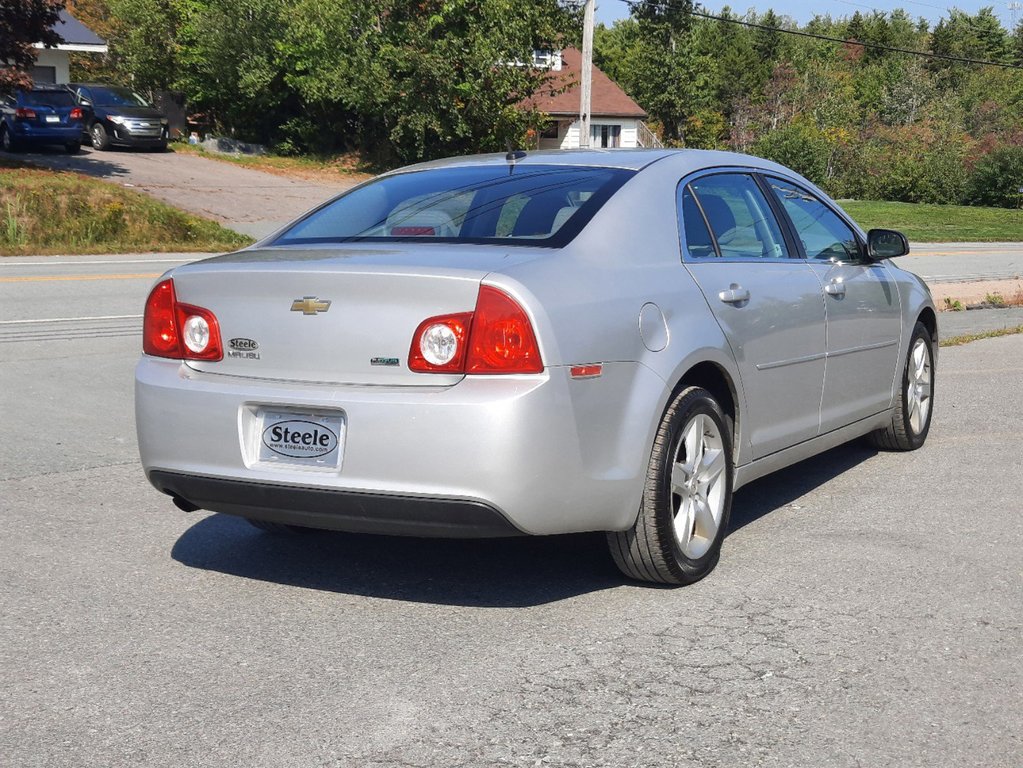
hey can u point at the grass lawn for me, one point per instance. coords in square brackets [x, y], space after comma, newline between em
[346, 167]
[939, 223]
[46, 212]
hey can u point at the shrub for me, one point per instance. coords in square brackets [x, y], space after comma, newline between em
[997, 179]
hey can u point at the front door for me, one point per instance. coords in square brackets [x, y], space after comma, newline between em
[863, 311]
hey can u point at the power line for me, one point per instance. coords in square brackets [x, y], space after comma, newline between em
[814, 36]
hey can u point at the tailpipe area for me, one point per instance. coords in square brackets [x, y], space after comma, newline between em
[184, 504]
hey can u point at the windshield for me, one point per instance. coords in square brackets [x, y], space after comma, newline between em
[116, 97]
[48, 99]
[521, 205]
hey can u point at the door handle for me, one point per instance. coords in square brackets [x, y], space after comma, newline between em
[835, 288]
[735, 294]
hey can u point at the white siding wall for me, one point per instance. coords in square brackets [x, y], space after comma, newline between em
[568, 133]
[51, 57]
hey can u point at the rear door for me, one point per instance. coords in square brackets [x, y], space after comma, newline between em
[767, 302]
[864, 316]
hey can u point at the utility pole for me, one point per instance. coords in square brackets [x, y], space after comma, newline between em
[584, 96]
[1014, 8]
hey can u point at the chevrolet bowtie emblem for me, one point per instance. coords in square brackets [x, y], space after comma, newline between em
[310, 305]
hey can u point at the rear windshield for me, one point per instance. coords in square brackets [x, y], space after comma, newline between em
[526, 205]
[116, 97]
[48, 99]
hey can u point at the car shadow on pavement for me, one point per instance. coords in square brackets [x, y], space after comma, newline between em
[763, 496]
[89, 162]
[507, 573]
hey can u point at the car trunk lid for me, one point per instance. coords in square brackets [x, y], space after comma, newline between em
[323, 317]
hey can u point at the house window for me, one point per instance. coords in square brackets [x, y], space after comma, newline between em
[546, 59]
[44, 75]
[550, 131]
[605, 135]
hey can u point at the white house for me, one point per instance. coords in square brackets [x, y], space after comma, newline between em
[52, 65]
[615, 119]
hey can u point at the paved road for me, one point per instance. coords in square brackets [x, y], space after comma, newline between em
[960, 262]
[247, 201]
[866, 610]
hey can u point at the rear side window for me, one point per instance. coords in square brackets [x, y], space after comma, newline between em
[48, 99]
[525, 205]
[739, 216]
[821, 231]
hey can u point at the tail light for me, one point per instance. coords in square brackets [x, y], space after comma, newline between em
[179, 331]
[25, 113]
[76, 113]
[496, 338]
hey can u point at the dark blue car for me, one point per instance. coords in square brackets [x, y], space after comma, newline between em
[44, 115]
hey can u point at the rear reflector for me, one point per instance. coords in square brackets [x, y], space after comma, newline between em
[586, 371]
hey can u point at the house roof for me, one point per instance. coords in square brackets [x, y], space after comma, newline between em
[607, 99]
[77, 36]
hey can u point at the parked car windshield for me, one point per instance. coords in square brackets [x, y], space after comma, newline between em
[528, 205]
[48, 99]
[116, 97]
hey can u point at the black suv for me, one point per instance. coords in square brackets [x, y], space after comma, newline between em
[121, 117]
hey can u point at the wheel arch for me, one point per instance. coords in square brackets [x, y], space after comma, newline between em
[929, 319]
[715, 379]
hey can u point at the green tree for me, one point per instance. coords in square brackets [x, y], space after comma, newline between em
[23, 23]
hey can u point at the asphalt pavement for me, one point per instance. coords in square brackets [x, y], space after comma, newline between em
[866, 610]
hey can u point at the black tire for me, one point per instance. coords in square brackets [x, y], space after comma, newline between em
[99, 137]
[907, 431]
[73, 147]
[651, 550]
[7, 141]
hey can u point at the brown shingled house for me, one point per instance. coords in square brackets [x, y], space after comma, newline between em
[615, 119]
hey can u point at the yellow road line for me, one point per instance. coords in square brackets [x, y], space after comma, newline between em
[50, 278]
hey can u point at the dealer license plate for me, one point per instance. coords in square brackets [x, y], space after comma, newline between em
[52, 119]
[305, 439]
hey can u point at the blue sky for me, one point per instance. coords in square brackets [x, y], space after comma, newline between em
[609, 10]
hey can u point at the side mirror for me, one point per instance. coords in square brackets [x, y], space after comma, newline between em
[886, 244]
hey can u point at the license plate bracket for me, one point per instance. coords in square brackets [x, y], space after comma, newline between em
[301, 439]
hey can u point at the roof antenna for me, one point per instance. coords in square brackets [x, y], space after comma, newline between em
[514, 155]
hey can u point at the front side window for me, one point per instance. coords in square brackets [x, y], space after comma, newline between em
[821, 231]
[519, 205]
[739, 216]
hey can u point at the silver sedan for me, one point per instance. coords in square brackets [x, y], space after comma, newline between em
[537, 344]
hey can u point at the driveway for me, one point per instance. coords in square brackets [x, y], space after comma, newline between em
[247, 201]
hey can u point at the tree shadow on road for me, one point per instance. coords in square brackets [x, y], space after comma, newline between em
[504, 573]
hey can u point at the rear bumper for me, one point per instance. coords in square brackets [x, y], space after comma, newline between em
[338, 510]
[64, 134]
[541, 454]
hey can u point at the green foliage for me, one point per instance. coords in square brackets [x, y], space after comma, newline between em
[48, 211]
[800, 146]
[997, 179]
[23, 23]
